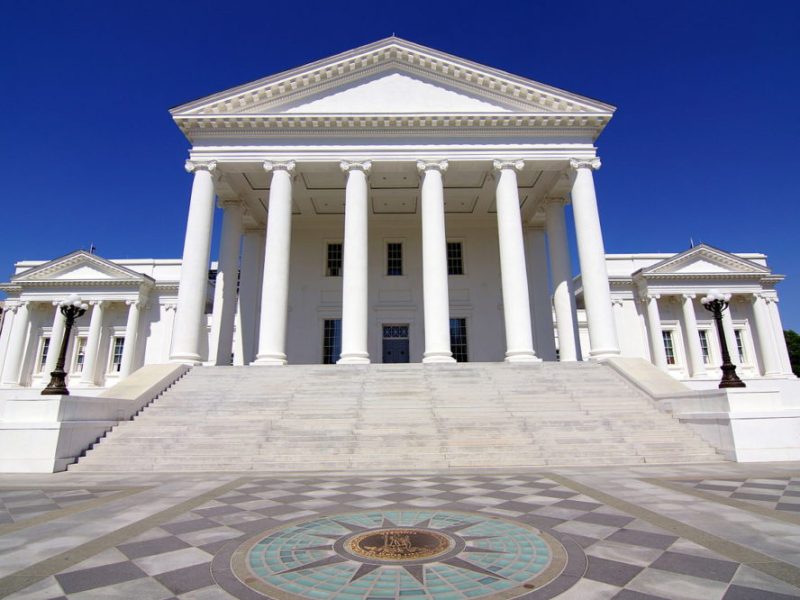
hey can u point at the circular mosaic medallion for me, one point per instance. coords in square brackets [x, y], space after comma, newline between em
[443, 555]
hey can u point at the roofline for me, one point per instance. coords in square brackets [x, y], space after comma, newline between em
[379, 44]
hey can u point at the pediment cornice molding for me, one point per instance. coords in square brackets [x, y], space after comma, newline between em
[382, 55]
[472, 125]
[243, 106]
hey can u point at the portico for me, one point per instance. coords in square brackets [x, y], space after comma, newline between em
[393, 148]
[492, 207]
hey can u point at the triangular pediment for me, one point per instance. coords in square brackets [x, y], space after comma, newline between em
[80, 266]
[392, 76]
[705, 260]
[395, 91]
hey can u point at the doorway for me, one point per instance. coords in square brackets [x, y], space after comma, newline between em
[395, 343]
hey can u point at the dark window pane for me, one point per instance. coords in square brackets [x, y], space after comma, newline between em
[458, 339]
[394, 258]
[334, 262]
[455, 261]
[331, 341]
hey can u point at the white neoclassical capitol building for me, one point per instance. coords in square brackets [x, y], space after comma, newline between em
[391, 204]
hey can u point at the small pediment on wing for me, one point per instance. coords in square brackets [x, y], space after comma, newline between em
[79, 266]
[705, 260]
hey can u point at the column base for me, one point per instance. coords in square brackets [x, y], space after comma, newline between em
[354, 358]
[517, 356]
[186, 359]
[269, 360]
[438, 357]
[603, 353]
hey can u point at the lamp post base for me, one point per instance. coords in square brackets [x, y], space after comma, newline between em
[57, 385]
[729, 378]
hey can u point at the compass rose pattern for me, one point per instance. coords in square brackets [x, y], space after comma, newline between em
[487, 556]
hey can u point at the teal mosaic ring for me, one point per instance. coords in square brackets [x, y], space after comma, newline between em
[382, 555]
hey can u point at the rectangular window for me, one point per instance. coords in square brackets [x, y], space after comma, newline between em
[739, 334]
[333, 264]
[80, 354]
[458, 339]
[455, 259]
[116, 354]
[331, 341]
[704, 346]
[43, 353]
[394, 258]
[669, 348]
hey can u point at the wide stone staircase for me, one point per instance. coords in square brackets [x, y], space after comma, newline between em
[396, 417]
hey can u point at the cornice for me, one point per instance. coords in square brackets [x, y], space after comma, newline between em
[66, 283]
[697, 276]
[478, 124]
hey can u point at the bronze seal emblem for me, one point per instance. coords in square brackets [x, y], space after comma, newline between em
[399, 544]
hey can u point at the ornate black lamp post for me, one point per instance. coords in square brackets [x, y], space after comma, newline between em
[716, 302]
[71, 308]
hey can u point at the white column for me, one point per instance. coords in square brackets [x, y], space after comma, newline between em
[249, 296]
[131, 331]
[89, 373]
[8, 323]
[657, 353]
[777, 332]
[194, 268]
[168, 311]
[692, 336]
[592, 258]
[435, 293]
[275, 285]
[224, 312]
[730, 335]
[770, 360]
[56, 335]
[561, 272]
[16, 346]
[619, 320]
[513, 273]
[544, 343]
[355, 315]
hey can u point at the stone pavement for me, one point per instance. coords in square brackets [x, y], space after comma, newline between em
[696, 531]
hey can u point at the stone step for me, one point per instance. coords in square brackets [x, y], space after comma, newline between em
[395, 417]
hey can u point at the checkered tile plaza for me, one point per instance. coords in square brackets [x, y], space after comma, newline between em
[629, 533]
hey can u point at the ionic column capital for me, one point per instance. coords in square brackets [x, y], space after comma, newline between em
[616, 302]
[500, 165]
[169, 307]
[363, 166]
[98, 303]
[192, 166]
[688, 296]
[287, 166]
[136, 303]
[432, 165]
[11, 308]
[584, 163]
[765, 297]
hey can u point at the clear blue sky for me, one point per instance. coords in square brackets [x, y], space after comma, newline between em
[703, 146]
